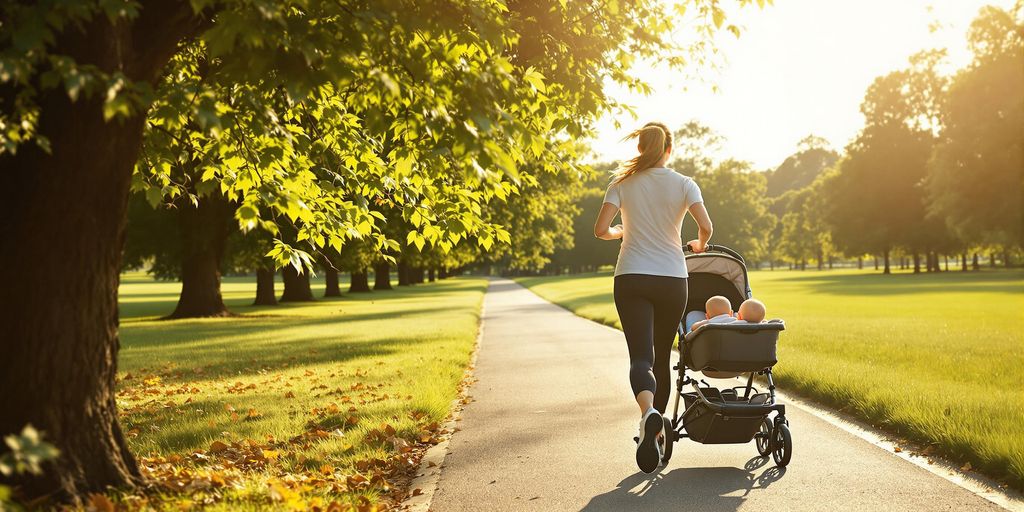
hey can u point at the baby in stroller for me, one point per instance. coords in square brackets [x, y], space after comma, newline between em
[719, 311]
[720, 413]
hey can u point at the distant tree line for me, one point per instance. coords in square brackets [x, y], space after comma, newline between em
[936, 172]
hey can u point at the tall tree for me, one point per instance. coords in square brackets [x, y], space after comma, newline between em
[976, 178]
[736, 201]
[540, 218]
[587, 253]
[812, 158]
[886, 164]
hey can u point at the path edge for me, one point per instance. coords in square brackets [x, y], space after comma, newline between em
[428, 476]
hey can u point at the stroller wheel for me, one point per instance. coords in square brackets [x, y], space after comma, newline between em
[763, 438]
[670, 438]
[782, 445]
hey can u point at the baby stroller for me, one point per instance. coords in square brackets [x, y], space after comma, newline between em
[742, 413]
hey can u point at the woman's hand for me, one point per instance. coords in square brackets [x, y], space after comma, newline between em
[696, 246]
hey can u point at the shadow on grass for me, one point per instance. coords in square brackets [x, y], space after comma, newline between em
[276, 336]
[264, 343]
[906, 283]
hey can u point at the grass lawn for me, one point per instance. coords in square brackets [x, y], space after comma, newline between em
[938, 359]
[295, 405]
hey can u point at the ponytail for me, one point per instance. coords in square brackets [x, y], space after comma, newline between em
[654, 140]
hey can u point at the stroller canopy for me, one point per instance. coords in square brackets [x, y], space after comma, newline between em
[715, 274]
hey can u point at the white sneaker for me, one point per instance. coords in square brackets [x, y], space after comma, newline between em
[648, 449]
[662, 448]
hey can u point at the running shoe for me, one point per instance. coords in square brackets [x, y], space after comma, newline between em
[648, 449]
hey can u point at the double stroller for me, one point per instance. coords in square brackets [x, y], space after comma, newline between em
[738, 414]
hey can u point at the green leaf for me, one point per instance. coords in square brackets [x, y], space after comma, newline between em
[154, 196]
[717, 15]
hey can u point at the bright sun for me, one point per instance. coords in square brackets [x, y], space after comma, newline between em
[800, 67]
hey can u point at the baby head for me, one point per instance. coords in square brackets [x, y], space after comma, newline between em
[718, 305]
[752, 310]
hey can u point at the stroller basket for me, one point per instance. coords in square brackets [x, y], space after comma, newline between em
[732, 347]
[724, 421]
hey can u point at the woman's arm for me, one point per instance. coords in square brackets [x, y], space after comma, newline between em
[603, 228]
[704, 227]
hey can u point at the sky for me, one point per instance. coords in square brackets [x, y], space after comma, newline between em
[800, 67]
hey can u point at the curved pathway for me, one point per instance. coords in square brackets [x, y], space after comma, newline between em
[550, 427]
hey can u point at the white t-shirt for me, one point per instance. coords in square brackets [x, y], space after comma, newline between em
[653, 203]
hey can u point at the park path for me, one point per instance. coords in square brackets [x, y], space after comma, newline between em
[551, 423]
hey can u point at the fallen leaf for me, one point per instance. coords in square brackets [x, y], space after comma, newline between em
[101, 503]
[218, 446]
[966, 467]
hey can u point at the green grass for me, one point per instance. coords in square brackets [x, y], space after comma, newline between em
[936, 358]
[347, 367]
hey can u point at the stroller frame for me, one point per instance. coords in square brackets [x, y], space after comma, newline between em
[724, 416]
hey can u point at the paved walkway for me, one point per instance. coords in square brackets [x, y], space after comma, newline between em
[551, 425]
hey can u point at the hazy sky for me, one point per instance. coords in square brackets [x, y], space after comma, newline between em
[800, 67]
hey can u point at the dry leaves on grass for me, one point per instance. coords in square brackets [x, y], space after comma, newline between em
[282, 474]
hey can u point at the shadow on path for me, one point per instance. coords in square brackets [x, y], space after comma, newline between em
[714, 489]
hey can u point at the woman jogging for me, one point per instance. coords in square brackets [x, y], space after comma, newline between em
[650, 274]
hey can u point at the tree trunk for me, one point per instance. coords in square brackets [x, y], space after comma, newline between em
[204, 234]
[992, 259]
[885, 258]
[771, 264]
[442, 273]
[382, 276]
[917, 263]
[403, 274]
[360, 282]
[803, 264]
[963, 262]
[821, 259]
[860, 263]
[1006, 258]
[62, 221]
[976, 263]
[265, 295]
[876, 262]
[430, 275]
[831, 261]
[945, 261]
[296, 285]
[331, 288]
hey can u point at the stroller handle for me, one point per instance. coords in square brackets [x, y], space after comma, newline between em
[716, 248]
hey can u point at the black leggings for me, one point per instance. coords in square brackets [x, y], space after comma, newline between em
[650, 308]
